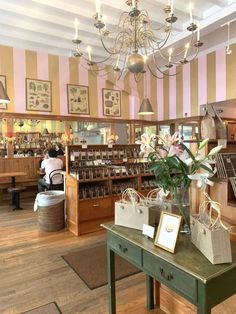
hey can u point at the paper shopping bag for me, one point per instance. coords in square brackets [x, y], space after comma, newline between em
[131, 215]
[209, 235]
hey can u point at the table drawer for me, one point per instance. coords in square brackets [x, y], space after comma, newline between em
[125, 249]
[94, 209]
[172, 277]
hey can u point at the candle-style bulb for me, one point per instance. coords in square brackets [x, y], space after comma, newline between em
[198, 32]
[98, 9]
[191, 12]
[186, 50]
[76, 28]
[171, 6]
[89, 49]
[170, 51]
[117, 60]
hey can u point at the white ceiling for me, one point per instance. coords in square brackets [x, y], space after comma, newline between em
[48, 25]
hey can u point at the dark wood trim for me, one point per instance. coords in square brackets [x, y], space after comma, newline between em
[72, 118]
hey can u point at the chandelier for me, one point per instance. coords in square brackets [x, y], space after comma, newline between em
[136, 46]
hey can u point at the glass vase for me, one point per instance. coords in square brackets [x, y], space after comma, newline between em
[180, 205]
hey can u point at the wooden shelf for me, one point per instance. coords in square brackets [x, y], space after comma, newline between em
[84, 215]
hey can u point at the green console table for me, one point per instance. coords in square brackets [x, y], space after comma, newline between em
[187, 272]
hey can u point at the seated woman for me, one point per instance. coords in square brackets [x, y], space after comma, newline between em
[48, 165]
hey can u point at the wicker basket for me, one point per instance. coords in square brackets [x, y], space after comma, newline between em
[51, 218]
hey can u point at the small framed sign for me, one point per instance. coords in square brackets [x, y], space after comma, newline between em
[168, 231]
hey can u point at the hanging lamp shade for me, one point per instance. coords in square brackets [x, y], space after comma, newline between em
[146, 107]
[4, 99]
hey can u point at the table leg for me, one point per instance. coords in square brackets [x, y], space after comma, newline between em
[203, 307]
[13, 185]
[111, 280]
[13, 182]
[149, 292]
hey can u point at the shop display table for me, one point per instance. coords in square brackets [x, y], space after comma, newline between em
[187, 272]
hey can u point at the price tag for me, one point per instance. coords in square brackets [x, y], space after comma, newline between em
[110, 145]
[222, 142]
[84, 145]
[148, 231]
[125, 159]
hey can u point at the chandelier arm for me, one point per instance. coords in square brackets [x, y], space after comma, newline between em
[195, 55]
[90, 67]
[166, 39]
[123, 67]
[182, 50]
[116, 40]
[158, 69]
[154, 74]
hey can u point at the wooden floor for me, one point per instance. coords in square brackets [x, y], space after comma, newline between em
[32, 272]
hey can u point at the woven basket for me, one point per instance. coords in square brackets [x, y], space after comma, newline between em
[51, 218]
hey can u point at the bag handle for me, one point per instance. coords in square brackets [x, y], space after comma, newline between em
[213, 206]
[157, 194]
[132, 196]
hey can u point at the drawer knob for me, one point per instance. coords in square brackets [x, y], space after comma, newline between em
[122, 249]
[168, 277]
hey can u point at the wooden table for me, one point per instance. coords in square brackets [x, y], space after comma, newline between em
[187, 272]
[13, 176]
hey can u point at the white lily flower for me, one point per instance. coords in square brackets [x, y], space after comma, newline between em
[202, 179]
[188, 161]
[203, 143]
[215, 150]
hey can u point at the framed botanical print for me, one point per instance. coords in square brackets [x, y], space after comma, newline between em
[111, 102]
[78, 99]
[4, 83]
[38, 95]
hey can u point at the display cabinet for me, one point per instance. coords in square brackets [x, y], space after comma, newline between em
[96, 177]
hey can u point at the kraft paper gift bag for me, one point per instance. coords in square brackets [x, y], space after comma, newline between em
[132, 210]
[208, 127]
[221, 130]
[210, 235]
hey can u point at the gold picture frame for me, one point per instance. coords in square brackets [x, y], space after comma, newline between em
[78, 99]
[111, 100]
[38, 95]
[168, 231]
[3, 79]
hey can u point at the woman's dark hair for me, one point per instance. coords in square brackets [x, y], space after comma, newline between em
[52, 153]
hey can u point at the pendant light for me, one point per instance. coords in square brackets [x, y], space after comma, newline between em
[4, 99]
[146, 107]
